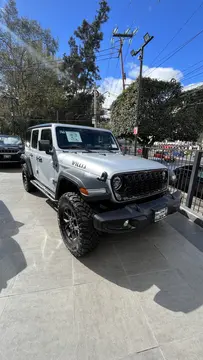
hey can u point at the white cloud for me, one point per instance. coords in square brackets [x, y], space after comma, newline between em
[114, 85]
[159, 73]
[192, 86]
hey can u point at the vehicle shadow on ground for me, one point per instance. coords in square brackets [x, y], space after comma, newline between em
[166, 286]
[192, 231]
[12, 260]
[9, 169]
[38, 194]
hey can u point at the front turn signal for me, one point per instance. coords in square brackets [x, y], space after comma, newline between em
[84, 191]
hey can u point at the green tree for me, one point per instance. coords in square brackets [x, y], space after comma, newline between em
[166, 112]
[30, 86]
[159, 100]
[189, 115]
[33, 85]
[80, 67]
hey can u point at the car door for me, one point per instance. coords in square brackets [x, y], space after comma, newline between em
[34, 152]
[47, 172]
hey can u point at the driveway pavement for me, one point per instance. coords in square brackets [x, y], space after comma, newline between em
[137, 297]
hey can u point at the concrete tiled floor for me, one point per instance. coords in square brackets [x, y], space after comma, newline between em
[136, 297]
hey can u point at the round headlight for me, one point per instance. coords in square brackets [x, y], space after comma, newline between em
[117, 183]
[172, 177]
[164, 174]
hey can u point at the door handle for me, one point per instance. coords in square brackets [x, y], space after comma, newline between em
[40, 159]
[31, 155]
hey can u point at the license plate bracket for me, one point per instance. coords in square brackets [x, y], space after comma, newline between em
[160, 214]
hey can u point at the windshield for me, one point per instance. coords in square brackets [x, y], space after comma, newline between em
[10, 140]
[79, 138]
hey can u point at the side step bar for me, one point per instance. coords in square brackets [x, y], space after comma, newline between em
[48, 193]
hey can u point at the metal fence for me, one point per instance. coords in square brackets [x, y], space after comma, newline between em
[188, 167]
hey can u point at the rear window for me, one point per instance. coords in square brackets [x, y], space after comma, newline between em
[46, 135]
[28, 138]
[35, 138]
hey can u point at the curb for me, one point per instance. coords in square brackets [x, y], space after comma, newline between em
[191, 215]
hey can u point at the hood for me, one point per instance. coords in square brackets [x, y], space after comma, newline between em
[112, 163]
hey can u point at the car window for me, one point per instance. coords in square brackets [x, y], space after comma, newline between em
[10, 140]
[70, 137]
[46, 135]
[28, 138]
[35, 138]
[200, 173]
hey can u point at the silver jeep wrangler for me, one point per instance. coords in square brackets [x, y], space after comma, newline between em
[96, 188]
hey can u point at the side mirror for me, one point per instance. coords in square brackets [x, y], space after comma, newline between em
[45, 145]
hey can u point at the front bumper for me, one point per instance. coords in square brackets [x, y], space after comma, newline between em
[137, 215]
[10, 158]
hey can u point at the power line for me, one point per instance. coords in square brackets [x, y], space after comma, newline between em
[191, 66]
[180, 47]
[110, 48]
[193, 76]
[109, 58]
[130, 42]
[176, 34]
[111, 86]
[108, 64]
[109, 54]
[126, 54]
[193, 71]
[176, 51]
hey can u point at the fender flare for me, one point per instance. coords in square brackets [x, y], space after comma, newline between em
[74, 180]
[26, 160]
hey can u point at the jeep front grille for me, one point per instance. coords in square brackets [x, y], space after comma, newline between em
[141, 184]
[9, 151]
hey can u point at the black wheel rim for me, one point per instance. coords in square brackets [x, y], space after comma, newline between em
[69, 225]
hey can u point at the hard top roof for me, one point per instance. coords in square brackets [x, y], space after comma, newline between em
[66, 125]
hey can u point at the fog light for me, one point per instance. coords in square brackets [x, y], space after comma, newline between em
[173, 177]
[126, 223]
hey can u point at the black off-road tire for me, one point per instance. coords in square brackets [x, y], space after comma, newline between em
[88, 237]
[28, 186]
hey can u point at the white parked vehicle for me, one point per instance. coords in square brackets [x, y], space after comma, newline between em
[96, 188]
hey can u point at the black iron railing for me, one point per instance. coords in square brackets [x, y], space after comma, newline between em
[188, 168]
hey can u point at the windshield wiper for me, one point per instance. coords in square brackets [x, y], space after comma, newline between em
[97, 147]
[77, 147]
[109, 149]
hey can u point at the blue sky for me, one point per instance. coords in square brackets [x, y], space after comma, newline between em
[160, 18]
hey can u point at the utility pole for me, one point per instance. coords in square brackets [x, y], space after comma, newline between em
[57, 116]
[147, 39]
[122, 64]
[122, 37]
[96, 95]
[95, 106]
